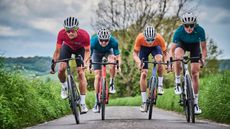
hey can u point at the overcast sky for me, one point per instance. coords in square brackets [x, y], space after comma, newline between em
[30, 27]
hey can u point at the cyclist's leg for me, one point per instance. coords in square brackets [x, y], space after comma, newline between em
[179, 53]
[144, 53]
[82, 79]
[64, 54]
[195, 69]
[96, 57]
[157, 54]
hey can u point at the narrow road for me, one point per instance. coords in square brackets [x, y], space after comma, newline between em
[125, 117]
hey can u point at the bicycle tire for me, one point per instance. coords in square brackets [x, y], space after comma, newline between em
[190, 98]
[185, 101]
[153, 95]
[103, 98]
[73, 99]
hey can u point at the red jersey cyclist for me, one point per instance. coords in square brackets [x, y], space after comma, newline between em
[72, 40]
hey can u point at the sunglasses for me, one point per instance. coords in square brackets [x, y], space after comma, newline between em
[71, 30]
[104, 40]
[149, 40]
[189, 25]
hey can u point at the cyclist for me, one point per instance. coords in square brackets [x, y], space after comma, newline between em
[72, 40]
[149, 42]
[103, 44]
[188, 37]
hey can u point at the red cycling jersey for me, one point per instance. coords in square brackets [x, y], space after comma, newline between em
[82, 39]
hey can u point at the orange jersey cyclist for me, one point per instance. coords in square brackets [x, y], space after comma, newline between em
[103, 44]
[149, 42]
[72, 40]
[188, 37]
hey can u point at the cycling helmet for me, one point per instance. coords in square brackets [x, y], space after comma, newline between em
[149, 33]
[188, 18]
[103, 34]
[71, 22]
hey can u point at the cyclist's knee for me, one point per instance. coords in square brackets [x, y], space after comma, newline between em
[144, 74]
[81, 74]
[61, 70]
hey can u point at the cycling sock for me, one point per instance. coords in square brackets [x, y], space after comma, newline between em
[160, 81]
[144, 97]
[111, 81]
[177, 79]
[82, 99]
[64, 84]
[196, 99]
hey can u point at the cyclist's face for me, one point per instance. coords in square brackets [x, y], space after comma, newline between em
[103, 43]
[72, 33]
[189, 28]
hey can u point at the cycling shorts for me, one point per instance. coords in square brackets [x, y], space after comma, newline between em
[193, 48]
[66, 52]
[97, 57]
[145, 51]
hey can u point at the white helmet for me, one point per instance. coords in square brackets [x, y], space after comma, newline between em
[71, 22]
[149, 33]
[103, 34]
[188, 18]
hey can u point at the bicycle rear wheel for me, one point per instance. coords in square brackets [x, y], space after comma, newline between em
[103, 98]
[153, 95]
[190, 96]
[74, 98]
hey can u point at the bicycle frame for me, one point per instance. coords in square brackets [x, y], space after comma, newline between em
[73, 93]
[103, 95]
[187, 95]
[152, 86]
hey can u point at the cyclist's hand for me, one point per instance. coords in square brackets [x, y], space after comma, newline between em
[140, 65]
[52, 70]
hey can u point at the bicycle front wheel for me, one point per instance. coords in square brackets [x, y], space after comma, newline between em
[103, 98]
[153, 95]
[73, 99]
[190, 96]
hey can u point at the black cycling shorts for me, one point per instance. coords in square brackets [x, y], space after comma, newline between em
[66, 52]
[97, 57]
[193, 48]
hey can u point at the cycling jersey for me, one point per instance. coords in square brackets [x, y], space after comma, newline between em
[197, 36]
[82, 40]
[95, 46]
[140, 41]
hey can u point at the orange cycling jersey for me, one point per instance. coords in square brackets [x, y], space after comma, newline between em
[140, 41]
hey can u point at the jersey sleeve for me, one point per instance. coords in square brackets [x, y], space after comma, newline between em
[92, 44]
[176, 37]
[137, 44]
[202, 35]
[87, 41]
[59, 40]
[162, 43]
[115, 47]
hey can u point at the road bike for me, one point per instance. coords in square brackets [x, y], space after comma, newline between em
[73, 92]
[187, 95]
[152, 85]
[103, 96]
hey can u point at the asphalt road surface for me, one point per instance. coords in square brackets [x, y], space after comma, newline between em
[124, 117]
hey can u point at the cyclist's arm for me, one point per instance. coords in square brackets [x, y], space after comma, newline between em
[204, 50]
[136, 58]
[172, 50]
[56, 53]
[87, 55]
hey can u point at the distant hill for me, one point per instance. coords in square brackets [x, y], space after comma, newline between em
[33, 65]
[224, 64]
[38, 66]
